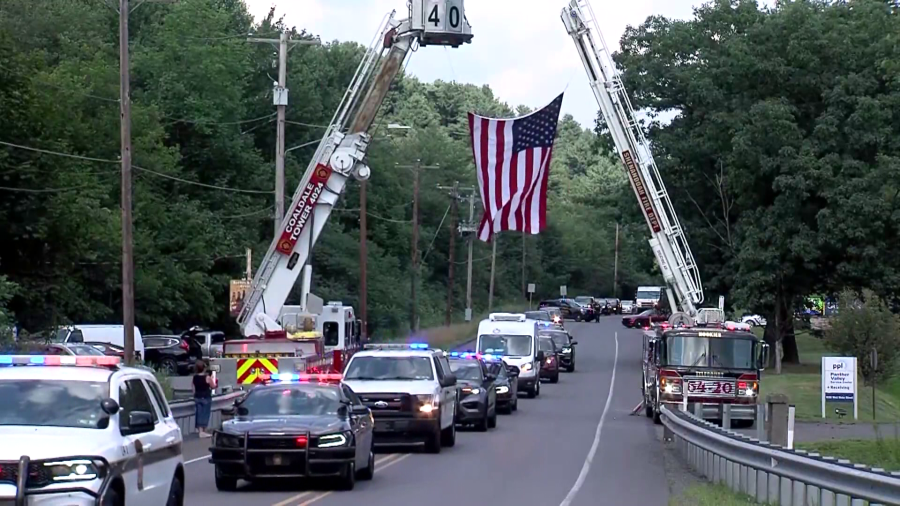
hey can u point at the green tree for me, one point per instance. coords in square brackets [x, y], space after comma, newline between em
[865, 323]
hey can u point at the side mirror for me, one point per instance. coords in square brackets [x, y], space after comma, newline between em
[140, 422]
[359, 410]
[241, 411]
[109, 406]
[512, 371]
[763, 357]
[540, 356]
[448, 381]
[490, 377]
[573, 343]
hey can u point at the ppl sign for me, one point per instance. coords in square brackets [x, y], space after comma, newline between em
[839, 379]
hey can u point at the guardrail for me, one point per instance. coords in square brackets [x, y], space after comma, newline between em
[184, 411]
[772, 474]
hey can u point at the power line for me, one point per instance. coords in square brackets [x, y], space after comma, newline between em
[148, 171]
[305, 124]
[214, 122]
[44, 190]
[246, 215]
[371, 215]
[436, 232]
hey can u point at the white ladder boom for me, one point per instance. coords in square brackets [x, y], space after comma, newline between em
[668, 241]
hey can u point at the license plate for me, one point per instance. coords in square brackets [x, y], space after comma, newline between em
[275, 460]
[709, 388]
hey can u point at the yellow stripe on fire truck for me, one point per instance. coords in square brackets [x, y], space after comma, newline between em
[255, 370]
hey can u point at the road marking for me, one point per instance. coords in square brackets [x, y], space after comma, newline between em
[198, 459]
[590, 456]
[392, 457]
[326, 494]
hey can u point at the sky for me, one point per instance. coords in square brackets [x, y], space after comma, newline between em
[520, 47]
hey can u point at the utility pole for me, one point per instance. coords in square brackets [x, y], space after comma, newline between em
[280, 99]
[414, 302]
[363, 263]
[524, 286]
[451, 256]
[616, 266]
[470, 229]
[493, 265]
[125, 132]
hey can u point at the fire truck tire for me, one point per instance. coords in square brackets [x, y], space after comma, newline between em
[656, 417]
[224, 483]
[648, 409]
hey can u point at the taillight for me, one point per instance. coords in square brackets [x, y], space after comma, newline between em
[670, 381]
[748, 385]
[184, 345]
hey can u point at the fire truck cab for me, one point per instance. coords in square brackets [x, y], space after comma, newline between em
[710, 365]
[339, 326]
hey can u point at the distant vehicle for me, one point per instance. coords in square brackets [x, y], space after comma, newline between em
[171, 354]
[543, 317]
[565, 345]
[506, 384]
[587, 300]
[112, 334]
[550, 364]
[610, 306]
[627, 307]
[107, 349]
[210, 341]
[297, 426]
[754, 320]
[568, 308]
[513, 337]
[73, 349]
[644, 319]
[649, 297]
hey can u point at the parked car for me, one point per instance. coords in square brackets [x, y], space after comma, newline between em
[111, 350]
[210, 341]
[627, 307]
[645, 319]
[568, 308]
[754, 320]
[171, 354]
[550, 364]
[72, 349]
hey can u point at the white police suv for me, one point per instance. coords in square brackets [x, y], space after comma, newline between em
[411, 392]
[82, 430]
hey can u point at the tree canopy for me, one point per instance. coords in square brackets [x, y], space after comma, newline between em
[204, 142]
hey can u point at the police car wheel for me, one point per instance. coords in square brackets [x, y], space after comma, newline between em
[224, 483]
[348, 480]
[515, 405]
[482, 425]
[112, 498]
[433, 443]
[448, 436]
[176, 493]
[492, 421]
[369, 472]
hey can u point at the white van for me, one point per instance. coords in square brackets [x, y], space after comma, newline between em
[514, 337]
[112, 334]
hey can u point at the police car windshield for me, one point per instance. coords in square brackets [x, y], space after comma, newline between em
[52, 403]
[561, 339]
[293, 400]
[710, 352]
[504, 344]
[542, 316]
[466, 369]
[389, 368]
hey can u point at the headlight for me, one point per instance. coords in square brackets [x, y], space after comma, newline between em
[502, 389]
[228, 440]
[333, 440]
[428, 402]
[527, 367]
[471, 391]
[75, 469]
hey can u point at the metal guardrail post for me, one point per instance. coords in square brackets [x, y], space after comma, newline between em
[726, 416]
[761, 422]
[778, 419]
[698, 410]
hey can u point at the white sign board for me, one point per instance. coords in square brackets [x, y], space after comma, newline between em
[562, 291]
[839, 381]
[530, 287]
[722, 302]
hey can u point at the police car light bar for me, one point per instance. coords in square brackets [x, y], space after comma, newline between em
[507, 317]
[303, 378]
[60, 360]
[395, 346]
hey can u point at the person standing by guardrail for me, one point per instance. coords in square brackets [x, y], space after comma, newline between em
[202, 386]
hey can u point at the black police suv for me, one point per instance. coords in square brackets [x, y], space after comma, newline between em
[506, 383]
[565, 346]
[477, 391]
[295, 426]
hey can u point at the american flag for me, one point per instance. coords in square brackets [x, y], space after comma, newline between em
[512, 158]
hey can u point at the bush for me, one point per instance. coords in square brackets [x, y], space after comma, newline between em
[863, 323]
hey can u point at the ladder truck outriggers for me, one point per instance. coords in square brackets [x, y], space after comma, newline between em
[669, 245]
[341, 155]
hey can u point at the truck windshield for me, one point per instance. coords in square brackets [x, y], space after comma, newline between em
[506, 345]
[52, 403]
[647, 295]
[389, 368]
[710, 352]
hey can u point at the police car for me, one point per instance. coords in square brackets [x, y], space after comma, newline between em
[82, 430]
[411, 391]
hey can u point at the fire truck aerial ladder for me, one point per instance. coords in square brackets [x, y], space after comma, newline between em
[667, 237]
[342, 153]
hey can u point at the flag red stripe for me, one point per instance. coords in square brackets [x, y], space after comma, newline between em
[513, 188]
[525, 206]
[542, 213]
[501, 163]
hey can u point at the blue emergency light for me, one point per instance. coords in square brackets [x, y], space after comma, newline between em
[60, 360]
[454, 353]
[418, 346]
[302, 377]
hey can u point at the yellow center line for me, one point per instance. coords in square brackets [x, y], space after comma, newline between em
[379, 460]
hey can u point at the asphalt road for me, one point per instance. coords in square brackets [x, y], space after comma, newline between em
[575, 445]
